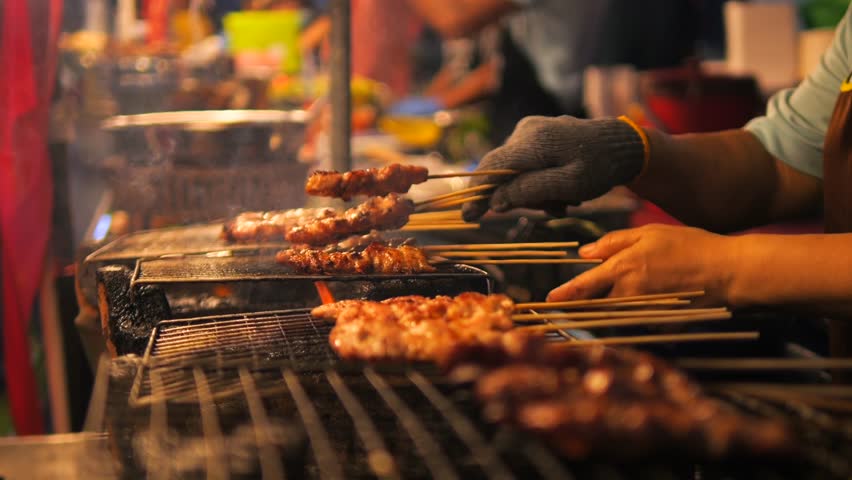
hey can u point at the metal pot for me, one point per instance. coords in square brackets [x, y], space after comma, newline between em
[209, 137]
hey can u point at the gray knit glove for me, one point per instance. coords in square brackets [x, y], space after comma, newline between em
[562, 161]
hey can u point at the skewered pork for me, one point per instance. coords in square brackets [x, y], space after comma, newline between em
[377, 213]
[252, 227]
[585, 400]
[394, 178]
[414, 328]
[375, 259]
[330, 311]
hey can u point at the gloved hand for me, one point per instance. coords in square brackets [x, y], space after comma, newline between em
[416, 106]
[562, 161]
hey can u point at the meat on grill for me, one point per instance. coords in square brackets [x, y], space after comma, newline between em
[377, 213]
[585, 400]
[414, 328]
[375, 259]
[330, 311]
[394, 178]
[357, 242]
[252, 227]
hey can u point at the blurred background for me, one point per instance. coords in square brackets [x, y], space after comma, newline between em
[126, 115]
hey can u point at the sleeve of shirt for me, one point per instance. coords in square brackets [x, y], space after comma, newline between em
[796, 120]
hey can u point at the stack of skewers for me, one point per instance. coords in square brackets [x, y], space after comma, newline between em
[581, 395]
[324, 241]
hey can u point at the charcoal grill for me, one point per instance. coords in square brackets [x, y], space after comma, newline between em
[261, 395]
[126, 250]
[132, 302]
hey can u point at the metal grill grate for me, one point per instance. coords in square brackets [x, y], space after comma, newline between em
[262, 396]
[164, 241]
[264, 267]
[224, 343]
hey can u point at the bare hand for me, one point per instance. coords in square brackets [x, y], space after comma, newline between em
[655, 259]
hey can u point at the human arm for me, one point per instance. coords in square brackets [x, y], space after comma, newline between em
[724, 181]
[477, 84]
[441, 82]
[721, 181]
[460, 18]
[315, 33]
[807, 272]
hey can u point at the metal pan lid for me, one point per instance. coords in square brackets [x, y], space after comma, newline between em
[206, 119]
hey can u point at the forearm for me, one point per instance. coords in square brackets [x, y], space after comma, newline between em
[723, 181]
[440, 83]
[459, 18]
[474, 86]
[811, 272]
[315, 33]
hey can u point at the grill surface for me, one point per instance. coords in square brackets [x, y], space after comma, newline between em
[260, 267]
[263, 396]
[163, 241]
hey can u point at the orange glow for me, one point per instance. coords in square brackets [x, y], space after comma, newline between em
[222, 291]
[324, 292]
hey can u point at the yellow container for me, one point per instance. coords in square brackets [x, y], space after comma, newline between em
[274, 31]
[415, 132]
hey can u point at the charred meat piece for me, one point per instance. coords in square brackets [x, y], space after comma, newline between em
[330, 311]
[417, 329]
[394, 178]
[375, 259]
[254, 227]
[377, 213]
[356, 242]
[585, 400]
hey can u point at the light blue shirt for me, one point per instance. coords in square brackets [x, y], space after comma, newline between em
[560, 38]
[796, 121]
[563, 37]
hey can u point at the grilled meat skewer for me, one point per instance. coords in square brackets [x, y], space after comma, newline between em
[415, 328]
[272, 226]
[394, 178]
[331, 311]
[585, 400]
[377, 213]
[375, 259]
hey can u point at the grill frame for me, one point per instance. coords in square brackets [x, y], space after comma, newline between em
[131, 304]
[253, 268]
[436, 422]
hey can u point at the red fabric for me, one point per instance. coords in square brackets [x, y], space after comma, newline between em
[26, 189]
[157, 15]
[386, 56]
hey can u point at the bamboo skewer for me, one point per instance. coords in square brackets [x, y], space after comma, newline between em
[669, 338]
[439, 226]
[436, 220]
[799, 388]
[605, 301]
[457, 193]
[628, 322]
[830, 398]
[501, 246]
[526, 317]
[816, 401]
[669, 302]
[450, 203]
[477, 173]
[502, 253]
[765, 363]
[523, 261]
[451, 214]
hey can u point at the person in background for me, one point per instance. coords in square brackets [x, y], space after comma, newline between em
[383, 37]
[470, 71]
[795, 161]
[548, 44]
